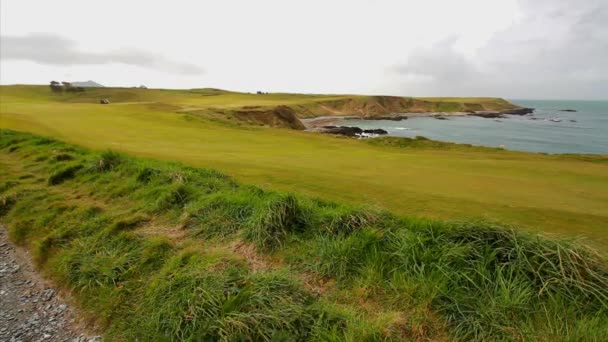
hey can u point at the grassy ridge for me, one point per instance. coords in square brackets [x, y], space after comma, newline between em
[162, 251]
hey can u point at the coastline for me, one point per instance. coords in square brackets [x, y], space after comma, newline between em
[318, 122]
[549, 129]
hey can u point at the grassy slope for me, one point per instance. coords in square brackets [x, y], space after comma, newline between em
[159, 251]
[548, 193]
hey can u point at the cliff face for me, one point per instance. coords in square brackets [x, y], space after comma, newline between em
[382, 105]
[367, 106]
[281, 116]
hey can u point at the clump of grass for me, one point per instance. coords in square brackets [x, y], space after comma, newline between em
[345, 256]
[63, 157]
[129, 222]
[279, 216]
[212, 298]
[221, 215]
[43, 141]
[64, 174]
[6, 203]
[8, 185]
[146, 174]
[107, 161]
[343, 219]
[495, 279]
[173, 196]
[98, 261]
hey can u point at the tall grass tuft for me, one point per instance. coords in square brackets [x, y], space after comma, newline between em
[274, 220]
[64, 174]
[107, 161]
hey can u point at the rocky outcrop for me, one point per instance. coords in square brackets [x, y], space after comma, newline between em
[342, 130]
[385, 117]
[518, 111]
[488, 114]
[568, 110]
[493, 114]
[378, 131]
[352, 131]
[104, 101]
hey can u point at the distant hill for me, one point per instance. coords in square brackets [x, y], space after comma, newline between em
[88, 83]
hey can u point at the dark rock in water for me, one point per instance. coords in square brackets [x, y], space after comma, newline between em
[387, 117]
[533, 118]
[488, 114]
[104, 101]
[572, 120]
[375, 131]
[342, 130]
[440, 118]
[568, 110]
[518, 111]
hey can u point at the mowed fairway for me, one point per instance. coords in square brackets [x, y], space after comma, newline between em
[551, 194]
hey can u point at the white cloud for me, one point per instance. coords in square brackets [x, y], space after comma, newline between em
[52, 49]
[509, 48]
[557, 49]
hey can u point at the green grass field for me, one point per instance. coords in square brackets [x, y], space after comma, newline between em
[552, 194]
[160, 251]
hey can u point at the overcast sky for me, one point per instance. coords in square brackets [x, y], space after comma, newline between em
[506, 48]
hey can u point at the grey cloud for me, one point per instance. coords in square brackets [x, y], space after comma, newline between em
[441, 62]
[55, 50]
[559, 49]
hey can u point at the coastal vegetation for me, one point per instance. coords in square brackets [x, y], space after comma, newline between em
[158, 250]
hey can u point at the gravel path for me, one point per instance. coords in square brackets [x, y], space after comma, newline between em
[30, 309]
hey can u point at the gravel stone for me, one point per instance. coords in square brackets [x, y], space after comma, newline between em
[30, 310]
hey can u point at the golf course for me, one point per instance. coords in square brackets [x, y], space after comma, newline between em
[189, 215]
[565, 195]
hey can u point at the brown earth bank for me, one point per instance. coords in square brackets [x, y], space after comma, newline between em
[377, 106]
[280, 116]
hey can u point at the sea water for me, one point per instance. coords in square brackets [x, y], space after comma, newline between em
[549, 129]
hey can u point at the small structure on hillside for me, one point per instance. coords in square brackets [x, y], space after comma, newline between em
[104, 101]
